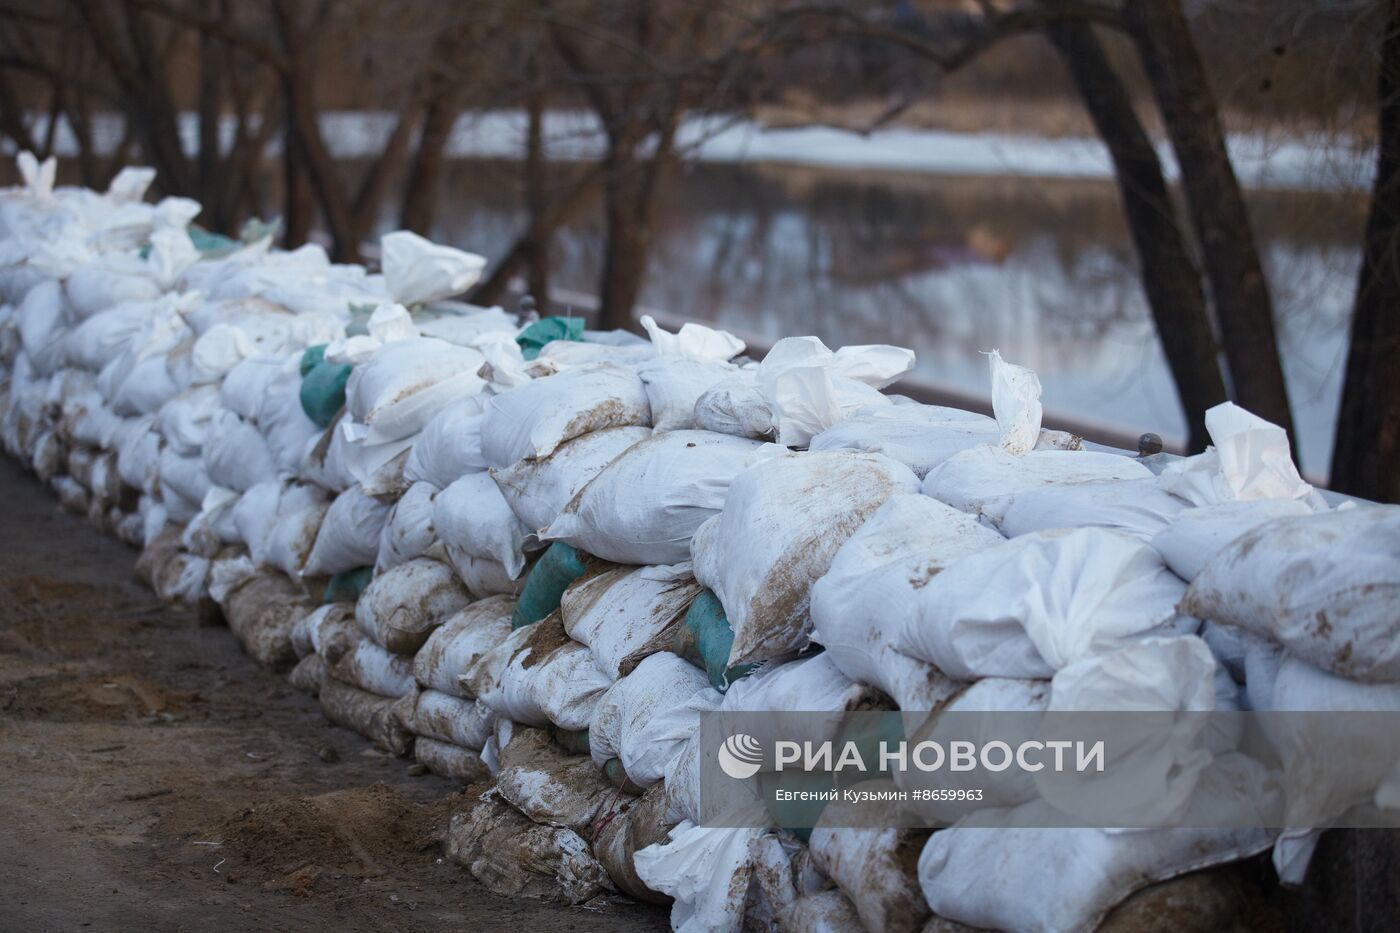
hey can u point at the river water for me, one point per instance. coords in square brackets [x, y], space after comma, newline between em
[950, 265]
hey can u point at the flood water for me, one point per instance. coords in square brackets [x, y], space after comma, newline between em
[1042, 269]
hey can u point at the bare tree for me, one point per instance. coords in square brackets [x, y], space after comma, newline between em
[1366, 457]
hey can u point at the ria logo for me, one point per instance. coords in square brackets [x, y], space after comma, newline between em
[740, 756]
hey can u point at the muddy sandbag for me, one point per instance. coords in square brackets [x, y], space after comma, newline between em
[328, 631]
[450, 761]
[534, 419]
[875, 581]
[627, 614]
[514, 857]
[645, 506]
[459, 643]
[877, 870]
[1063, 879]
[823, 912]
[375, 670]
[640, 822]
[401, 607]
[550, 786]
[538, 490]
[1202, 902]
[646, 717]
[1325, 586]
[539, 676]
[447, 718]
[375, 717]
[782, 523]
[1196, 535]
[309, 674]
[262, 613]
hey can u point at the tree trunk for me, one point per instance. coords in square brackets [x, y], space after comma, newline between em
[627, 235]
[1366, 457]
[536, 197]
[1170, 279]
[296, 190]
[421, 190]
[1243, 309]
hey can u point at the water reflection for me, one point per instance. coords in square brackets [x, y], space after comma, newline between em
[1042, 269]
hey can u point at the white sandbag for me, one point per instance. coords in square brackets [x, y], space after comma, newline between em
[145, 389]
[706, 870]
[184, 420]
[325, 462]
[1139, 507]
[254, 516]
[349, 535]
[91, 421]
[646, 505]
[1016, 404]
[284, 422]
[42, 323]
[875, 581]
[692, 342]
[626, 614]
[449, 446]
[647, 716]
[95, 342]
[409, 531]
[538, 490]
[535, 418]
[472, 517]
[1062, 879]
[300, 510]
[1196, 535]
[447, 718]
[674, 385]
[236, 454]
[1325, 586]
[417, 270]
[245, 386]
[406, 383]
[811, 684]
[455, 646]
[1250, 459]
[538, 677]
[401, 607]
[375, 670]
[1029, 606]
[782, 523]
[483, 576]
[919, 436]
[183, 477]
[983, 480]
[138, 453]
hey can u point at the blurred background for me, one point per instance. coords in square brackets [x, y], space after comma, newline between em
[1155, 205]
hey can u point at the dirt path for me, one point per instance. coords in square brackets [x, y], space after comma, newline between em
[152, 777]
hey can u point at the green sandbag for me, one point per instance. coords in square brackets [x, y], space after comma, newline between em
[573, 742]
[310, 357]
[614, 772]
[323, 391]
[534, 337]
[557, 567]
[346, 587]
[210, 244]
[704, 639]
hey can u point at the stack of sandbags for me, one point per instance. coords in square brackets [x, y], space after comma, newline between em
[455, 731]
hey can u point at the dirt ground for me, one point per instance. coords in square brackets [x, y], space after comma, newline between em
[153, 777]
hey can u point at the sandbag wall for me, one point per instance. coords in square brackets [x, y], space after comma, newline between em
[532, 556]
